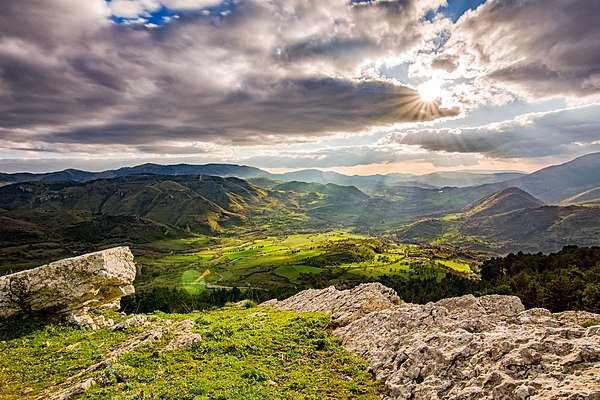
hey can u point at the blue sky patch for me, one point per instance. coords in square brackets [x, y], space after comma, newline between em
[162, 15]
[456, 8]
[158, 17]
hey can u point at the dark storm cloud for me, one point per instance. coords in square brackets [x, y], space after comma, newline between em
[339, 48]
[54, 93]
[575, 130]
[542, 47]
[187, 149]
[306, 108]
[269, 69]
[52, 24]
[48, 73]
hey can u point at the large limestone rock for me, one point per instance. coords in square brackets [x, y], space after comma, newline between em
[80, 282]
[465, 347]
[478, 348]
[344, 305]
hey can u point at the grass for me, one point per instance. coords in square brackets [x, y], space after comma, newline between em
[255, 249]
[39, 354]
[20, 257]
[590, 323]
[242, 355]
[452, 217]
[375, 271]
[183, 244]
[233, 261]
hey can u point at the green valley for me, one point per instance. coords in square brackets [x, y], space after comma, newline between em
[295, 260]
[299, 199]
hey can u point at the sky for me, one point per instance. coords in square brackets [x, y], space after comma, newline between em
[354, 86]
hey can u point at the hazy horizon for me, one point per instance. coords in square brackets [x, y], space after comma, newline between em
[378, 170]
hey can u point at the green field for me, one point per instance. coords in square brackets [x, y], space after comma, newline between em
[457, 265]
[248, 259]
[271, 262]
[292, 272]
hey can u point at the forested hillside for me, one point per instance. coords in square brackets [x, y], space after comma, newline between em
[565, 280]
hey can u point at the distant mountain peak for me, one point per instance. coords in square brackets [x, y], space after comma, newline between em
[560, 182]
[503, 201]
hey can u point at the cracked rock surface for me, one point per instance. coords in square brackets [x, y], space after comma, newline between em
[477, 348]
[465, 347]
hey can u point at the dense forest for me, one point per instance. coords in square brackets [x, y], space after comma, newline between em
[566, 280]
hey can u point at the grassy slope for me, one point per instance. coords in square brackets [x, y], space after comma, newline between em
[590, 197]
[281, 355]
[503, 201]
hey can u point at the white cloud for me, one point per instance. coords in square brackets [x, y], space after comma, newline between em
[190, 4]
[133, 8]
[351, 156]
[539, 48]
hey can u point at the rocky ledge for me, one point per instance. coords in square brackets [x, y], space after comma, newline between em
[466, 347]
[344, 306]
[82, 282]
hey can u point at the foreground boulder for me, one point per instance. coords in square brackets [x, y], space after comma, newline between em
[82, 282]
[344, 306]
[465, 347]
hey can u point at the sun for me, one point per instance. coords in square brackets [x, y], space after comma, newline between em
[431, 90]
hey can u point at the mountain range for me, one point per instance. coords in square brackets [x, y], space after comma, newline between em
[571, 181]
[510, 220]
[541, 211]
[562, 182]
[191, 202]
[368, 183]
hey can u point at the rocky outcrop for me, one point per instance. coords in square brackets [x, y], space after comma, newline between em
[73, 390]
[344, 305]
[94, 323]
[477, 348]
[82, 282]
[133, 322]
[182, 336]
[466, 347]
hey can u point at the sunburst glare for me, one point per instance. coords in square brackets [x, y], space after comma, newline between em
[431, 90]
